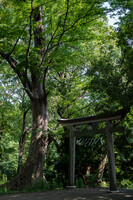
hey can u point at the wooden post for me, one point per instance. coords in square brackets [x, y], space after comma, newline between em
[111, 157]
[72, 158]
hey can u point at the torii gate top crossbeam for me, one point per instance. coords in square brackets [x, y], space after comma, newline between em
[91, 119]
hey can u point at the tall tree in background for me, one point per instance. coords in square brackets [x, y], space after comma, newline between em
[13, 106]
[112, 75]
[36, 38]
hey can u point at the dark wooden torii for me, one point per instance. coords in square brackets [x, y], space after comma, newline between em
[110, 142]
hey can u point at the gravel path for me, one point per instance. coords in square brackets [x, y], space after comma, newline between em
[74, 194]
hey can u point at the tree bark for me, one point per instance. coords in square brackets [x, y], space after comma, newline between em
[1, 131]
[33, 168]
[39, 140]
[101, 167]
[1, 134]
[22, 141]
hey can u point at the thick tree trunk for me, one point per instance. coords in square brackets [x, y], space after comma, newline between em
[33, 168]
[39, 140]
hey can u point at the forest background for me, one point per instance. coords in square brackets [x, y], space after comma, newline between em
[61, 59]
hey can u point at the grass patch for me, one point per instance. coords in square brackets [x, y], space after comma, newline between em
[39, 186]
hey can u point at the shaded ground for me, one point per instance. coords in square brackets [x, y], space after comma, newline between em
[74, 194]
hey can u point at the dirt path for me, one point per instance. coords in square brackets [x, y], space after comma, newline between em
[75, 194]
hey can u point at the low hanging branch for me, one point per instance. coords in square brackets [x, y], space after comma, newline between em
[13, 63]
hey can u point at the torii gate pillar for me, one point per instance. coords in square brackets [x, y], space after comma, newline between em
[72, 159]
[111, 157]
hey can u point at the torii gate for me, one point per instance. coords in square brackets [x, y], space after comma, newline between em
[110, 142]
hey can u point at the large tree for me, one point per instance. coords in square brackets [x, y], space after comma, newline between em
[37, 37]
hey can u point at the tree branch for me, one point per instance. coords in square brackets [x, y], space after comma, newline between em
[64, 28]
[45, 75]
[13, 63]
[17, 41]
[8, 96]
[81, 17]
[73, 25]
[52, 37]
[29, 44]
[64, 25]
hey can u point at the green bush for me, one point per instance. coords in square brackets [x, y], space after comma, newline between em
[79, 183]
[37, 186]
[126, 184]
[43, 186]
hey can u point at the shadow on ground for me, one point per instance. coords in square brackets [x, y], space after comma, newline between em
[75, 194]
